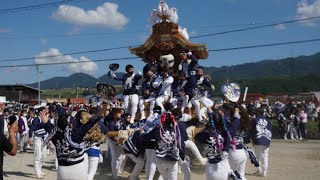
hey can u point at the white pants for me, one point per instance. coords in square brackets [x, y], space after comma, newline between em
[237, 160]
[168, 169]
[23, 142]
[184, 99]
[116, 158]
[138, 167]
[152, 102]
[194, 149]
[151, 164]
[93, 166]
[206, 102]
[291, 129]
[160, 101]
[262, 153]
[185, 169]
[74, 172]
[40, 153]
[218, 171]
[131, 101]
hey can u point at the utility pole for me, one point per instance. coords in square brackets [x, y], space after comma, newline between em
[38, 69]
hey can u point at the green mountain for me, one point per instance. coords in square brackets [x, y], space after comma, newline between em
[290, 75]
[72, 81]
[289, 67]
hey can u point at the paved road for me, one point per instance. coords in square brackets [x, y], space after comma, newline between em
[288, 160]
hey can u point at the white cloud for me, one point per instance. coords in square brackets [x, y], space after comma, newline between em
[106, 15]
[87, 67]
[307, 10]
[280, 27]
[17, 69]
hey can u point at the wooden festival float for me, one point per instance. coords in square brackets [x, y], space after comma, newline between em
[167, 38]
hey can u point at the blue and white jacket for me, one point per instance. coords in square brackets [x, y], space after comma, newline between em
[168, 151]
[261, 132]
[233, 128]
[69, 143]
[116, 126]
[149, 125]
[134, 145]
[196, 87]
[39, 128]
[130, 83]
[147, 85]
[216, 144]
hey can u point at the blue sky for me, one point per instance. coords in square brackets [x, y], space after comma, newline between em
[29, 33]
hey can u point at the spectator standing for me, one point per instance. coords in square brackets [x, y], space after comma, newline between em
[303, 119]
[23, 130]
[4, 120]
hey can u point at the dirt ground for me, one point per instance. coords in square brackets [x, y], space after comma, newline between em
[287, 160]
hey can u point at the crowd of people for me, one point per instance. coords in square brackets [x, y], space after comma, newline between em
[162, 138]
[158, 142]
[292, 116]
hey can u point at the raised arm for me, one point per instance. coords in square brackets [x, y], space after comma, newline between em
[12, 139]
[116, 76]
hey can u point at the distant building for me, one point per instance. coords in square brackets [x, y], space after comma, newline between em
[19, 93]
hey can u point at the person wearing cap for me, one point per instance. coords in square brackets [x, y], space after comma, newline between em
[199, 94]
[130, 90]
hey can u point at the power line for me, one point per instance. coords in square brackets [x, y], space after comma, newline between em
[127, 58]
[73, 62]
[256, 27]
[38, 6]
[64, 54]
[265, 45]
[192, 37]
[71, 35]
